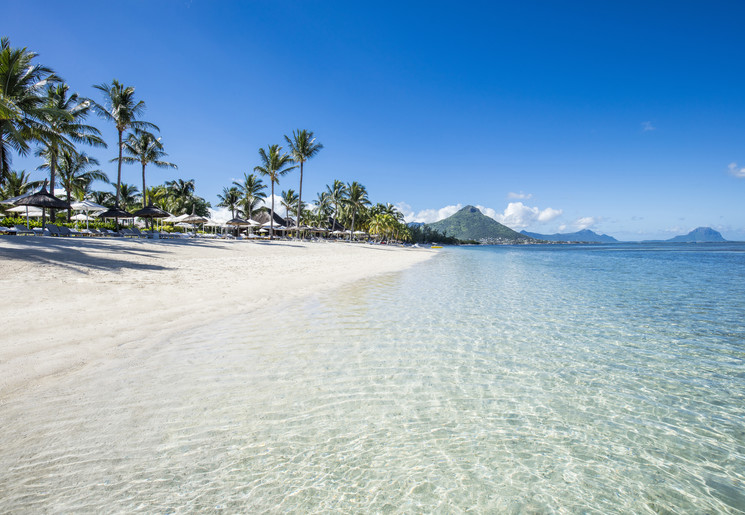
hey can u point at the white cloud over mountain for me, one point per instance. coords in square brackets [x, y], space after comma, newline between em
[516, 215]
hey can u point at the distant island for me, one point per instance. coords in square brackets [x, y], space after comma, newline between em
[471, 225]
[585, 236]
[698, 235]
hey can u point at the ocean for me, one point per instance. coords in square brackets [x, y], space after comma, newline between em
[529, 379]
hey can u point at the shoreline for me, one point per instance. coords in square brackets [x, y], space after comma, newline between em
[73, 302]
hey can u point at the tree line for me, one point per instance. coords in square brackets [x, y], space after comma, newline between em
[39, 113]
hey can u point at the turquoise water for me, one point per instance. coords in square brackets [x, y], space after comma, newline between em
[551, 379]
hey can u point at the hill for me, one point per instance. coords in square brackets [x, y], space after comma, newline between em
[584, 235]
[699, 235]
[471, 224]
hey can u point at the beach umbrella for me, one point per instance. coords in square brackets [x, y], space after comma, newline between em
[115, 213]
[238, 222]
[175, 219]
[151, 212]
[43, 200]
[194, 218]
[33, 212]
[87, 206]
[13, 200]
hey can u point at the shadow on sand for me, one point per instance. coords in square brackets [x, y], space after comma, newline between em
[84, 254]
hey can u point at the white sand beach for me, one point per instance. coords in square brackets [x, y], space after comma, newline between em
[69, 302]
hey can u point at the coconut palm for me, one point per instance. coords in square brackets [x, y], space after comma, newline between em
[62, 132]
[121, 108]
[289, 202]
[128, 196]
[274, 164]
[337, 193]
[230, 198]
[103, 198]
[181, 197]
[17, 183]
[21, 102]
[252, 193]
[356, 200]
[144, 148]
[323, 208]
[157, 195]
[74, 174]
[303, 146]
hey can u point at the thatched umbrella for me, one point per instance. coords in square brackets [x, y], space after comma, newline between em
[43, 200]
[238, 222]
[151, 212]
[194, 219]
[116, 214]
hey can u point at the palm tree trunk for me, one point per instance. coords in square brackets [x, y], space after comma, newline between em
[52, 180]
[144, 191]
[119, 170]
[299, 202]
[354, 213]
[271, 220]
[69, 209]
[118, 180]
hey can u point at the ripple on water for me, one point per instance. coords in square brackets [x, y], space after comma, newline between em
[502, 380]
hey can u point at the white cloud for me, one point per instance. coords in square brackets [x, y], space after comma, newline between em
[584, 222]
[736, 171]
[267, 203]
[647, 126]
[519, 196]
[433, 215]
[518, 216]
[221, 214]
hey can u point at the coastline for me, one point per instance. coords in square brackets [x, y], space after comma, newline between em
[72, 302]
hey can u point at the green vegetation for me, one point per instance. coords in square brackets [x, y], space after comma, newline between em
[471, 224]
[39, 110]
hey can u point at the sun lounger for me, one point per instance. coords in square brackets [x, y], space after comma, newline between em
[21, 229]
[53, 230]
[136, 232]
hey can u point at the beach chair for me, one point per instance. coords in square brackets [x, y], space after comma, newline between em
[21, 229]
[137, 233]
[53, 230]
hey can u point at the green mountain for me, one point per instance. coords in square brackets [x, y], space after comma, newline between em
[471, 224]
[700, 235]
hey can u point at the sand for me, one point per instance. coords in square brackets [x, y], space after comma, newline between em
[70, 302]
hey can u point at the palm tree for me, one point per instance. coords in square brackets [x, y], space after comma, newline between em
[289, 200]
[230, 198]
[74, 174]
[323, 208]
[128, 195]
[337, 193]
[21, 101]
[61, 132]
[180, 195]
[144, 148]
[356, 200]
[157, 195]
[104, 198]
[274, 164]
[121, 108]
[252, 189]
[17, 183]
[303, 146]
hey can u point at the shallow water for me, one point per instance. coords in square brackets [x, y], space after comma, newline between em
[531, 379]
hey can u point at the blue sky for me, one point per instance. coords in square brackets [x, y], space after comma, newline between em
[624, 117]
